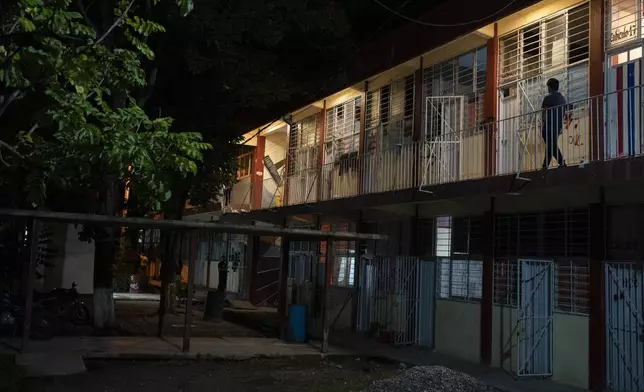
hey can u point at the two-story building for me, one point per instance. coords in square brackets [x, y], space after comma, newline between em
[489, 257]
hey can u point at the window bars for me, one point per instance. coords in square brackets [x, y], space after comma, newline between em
[463, 76]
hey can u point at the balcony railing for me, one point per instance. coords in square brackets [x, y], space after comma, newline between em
[303, 186]
[340, 179]
[598, 128]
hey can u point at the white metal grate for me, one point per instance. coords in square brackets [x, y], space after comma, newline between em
[572, 286]
[304, 143]
[342, 134]
[505, 282]
[464, 76]
[389, 113]
[459, 279]
[623, 23]
[554, 47]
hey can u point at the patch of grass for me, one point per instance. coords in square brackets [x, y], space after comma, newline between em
[11, 375]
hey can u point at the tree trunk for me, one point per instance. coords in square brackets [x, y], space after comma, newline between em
[171, 245]
[105, 240]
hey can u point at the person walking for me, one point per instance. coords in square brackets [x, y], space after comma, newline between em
[552, 121]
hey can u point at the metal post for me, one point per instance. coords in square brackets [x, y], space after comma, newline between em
[283, 285]
[597, 314]
[327, 294]
[191, 278]
[31, 275]
[209, 259]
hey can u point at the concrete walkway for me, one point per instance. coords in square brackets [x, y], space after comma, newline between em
[64, 356]
[493, 376]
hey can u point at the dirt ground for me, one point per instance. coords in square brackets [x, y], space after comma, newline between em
[340, 374]
[140, 318]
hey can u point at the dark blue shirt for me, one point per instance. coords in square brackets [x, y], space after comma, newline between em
[552, 116]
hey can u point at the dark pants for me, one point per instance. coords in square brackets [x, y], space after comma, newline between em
[227, 193]
[551, 139]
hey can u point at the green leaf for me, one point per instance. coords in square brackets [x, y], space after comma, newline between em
[27, 25]
[185, 6]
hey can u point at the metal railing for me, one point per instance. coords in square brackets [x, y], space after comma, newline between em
[390, 169]
[340, 179]
[302, 186]
[598, 128]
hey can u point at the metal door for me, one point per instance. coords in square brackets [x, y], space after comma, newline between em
[534, 318]
[426, 303]
[236, 257]
[443, 127]
[396, 300]
[301, 262]
[624, 101]
[624, 326]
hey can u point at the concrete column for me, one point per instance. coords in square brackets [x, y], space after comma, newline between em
[487, 300]
[321, 150]
[362, 138]
[597, 314]
[491, 101]
[596, 77]
[257, 176]
[417, 135]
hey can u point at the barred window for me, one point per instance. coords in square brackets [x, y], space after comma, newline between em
[572, 286]
[344, 271]
[505, 282]
[443, 236]
[244, 165]
[460, 279]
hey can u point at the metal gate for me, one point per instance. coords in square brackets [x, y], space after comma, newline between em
[395, 302]
[443, 127]
[534, 318]
[624, 326]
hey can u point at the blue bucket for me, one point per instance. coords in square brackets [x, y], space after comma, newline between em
[297, 323]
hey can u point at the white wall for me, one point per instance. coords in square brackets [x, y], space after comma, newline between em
[78, 262]
[570, 344]
[458, 329]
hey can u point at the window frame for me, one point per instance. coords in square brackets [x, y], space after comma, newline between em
[240, 158]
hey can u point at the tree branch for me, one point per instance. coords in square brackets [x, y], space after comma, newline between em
[116, 23]
[12, 149]
[3, 161]
[6, 102]
[32, 129]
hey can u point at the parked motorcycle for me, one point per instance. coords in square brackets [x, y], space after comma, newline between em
[66, 304]
[49, 310]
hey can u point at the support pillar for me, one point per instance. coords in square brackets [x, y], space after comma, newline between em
[596, 78]
[487, 299]
[257, 176]
[326, 314]
[357, 274]
[320, 170]
[417, 134]
[597, 315]
[491, 102]
[362, 139]
[283, 285]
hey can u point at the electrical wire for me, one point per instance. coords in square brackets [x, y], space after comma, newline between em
[342, 68]
[429, 24]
